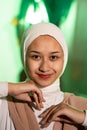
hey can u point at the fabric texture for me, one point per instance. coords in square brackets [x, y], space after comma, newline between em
[52, 96]
[3, 89]
[24, 118]
[22, 115]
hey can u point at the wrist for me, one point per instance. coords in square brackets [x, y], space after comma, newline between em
[11, 88]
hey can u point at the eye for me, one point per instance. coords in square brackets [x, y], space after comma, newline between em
[53, 58]
[35, 57]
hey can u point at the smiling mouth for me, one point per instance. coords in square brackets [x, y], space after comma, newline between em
[43, 76]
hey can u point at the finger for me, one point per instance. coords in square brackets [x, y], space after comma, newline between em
[46, 111]
[63, 119]
[35, 100]
[45, 125]
[52, 114]
[38, 104]
[46, 115]
[32, 88]
[58, 115]
[39, 94]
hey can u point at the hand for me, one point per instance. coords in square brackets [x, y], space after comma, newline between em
[62, 113]
[26, 91]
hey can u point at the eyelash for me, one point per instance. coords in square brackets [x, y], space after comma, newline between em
[53, 58]
[37, 57]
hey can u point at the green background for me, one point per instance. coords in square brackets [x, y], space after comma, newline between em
[69, 15]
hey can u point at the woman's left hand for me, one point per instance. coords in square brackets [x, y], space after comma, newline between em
[62, 113]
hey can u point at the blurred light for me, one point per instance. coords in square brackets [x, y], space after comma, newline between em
[37, 0]
[69, 25]
[37, 16]
[10, 64]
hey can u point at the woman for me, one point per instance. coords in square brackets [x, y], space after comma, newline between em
[44, 55]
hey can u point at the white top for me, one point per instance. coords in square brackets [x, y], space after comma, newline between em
[53, 96]
[5, 120]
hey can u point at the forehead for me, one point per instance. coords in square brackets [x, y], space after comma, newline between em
[45, 41]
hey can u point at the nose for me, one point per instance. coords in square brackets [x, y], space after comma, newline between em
[44, 66]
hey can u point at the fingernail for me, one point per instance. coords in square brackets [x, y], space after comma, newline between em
[44, 100]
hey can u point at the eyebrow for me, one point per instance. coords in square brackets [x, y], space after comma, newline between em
[34, 51]
[54, 52]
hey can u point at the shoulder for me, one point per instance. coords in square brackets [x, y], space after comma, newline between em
[76, 101]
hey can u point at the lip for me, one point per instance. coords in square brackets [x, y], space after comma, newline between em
[44, 76]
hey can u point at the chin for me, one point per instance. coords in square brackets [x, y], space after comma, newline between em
[44, 84]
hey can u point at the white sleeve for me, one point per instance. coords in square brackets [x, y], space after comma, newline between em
[3, 89]
[85, 121]
[3, 94]
[5, 120]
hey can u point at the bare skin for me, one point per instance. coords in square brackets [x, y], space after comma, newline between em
[62, 113]
[44, 60]
[22, 90]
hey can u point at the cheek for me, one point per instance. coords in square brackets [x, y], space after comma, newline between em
[31, 66]
[59, 66]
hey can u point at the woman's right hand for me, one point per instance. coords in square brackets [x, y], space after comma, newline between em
[25, 91]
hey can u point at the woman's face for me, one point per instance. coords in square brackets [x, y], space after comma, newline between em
[44, 60]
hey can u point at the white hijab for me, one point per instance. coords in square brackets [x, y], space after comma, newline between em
[44, 29]
[52, 93]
